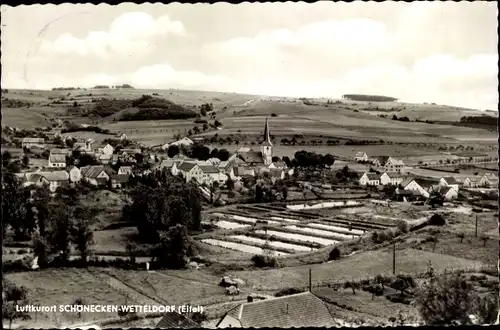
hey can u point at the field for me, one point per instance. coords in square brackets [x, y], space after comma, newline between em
[244, 114]
[359, 266]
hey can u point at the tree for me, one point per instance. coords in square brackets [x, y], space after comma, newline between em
[353, 285]
[334, 254]
[14, 205]
[446, 300]
[173, 150]
[174, 248]
[61, 226]
[328, 160]
[82, 234]
[259, 194]
[461, 236]
[13, 294]
[132, 250]
[403, 283]
[223, 155]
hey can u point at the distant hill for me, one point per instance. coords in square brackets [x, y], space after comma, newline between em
[368, 98]
[144, 108]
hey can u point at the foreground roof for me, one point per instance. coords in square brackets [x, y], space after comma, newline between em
[450, 180]
[298, 310]
[176, 320]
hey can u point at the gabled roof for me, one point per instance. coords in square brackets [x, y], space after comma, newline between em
[243, 149]
[490, 176]
[176, 320]
[395, 161]
[404, 192]
[395, 175]
[105, 156]
[472, 178]
[450, 180]
[241, 171]
[120, 178]
[381, 159]
[406, 182]
[57, 158]
[445, 190]
[225, 164]
[55, 175]
[298, 310]
[209, 169]
[93, 171]
[186, 166]
[360, 154]
[125, 168]
[372, 176]
[78, 145]
[58, 151]
[251, 157]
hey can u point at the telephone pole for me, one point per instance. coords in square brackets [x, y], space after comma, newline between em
[394, 258]
[476, 224]
[310, 282]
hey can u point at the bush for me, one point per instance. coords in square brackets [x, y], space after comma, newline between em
[21, 251]
[334, 254]
[437, 220]
[287, 292]
[262, 261]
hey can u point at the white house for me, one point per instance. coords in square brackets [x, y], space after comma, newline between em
[394, 165]
[212, 174]
[125, 170]
[54, 179]
[488, 180]
[121, 136]
[449, 181]
[75, 175]
[471, 182]
[57, 161]
[190, 171]
[361, 156]
[97, 175]
[391, 178]
[237, 172]
[369, 179]
[185, 141]
[214, 161]
[449, 193]
[106, 150]
[105, 159]
[33, 142]
[411, 184]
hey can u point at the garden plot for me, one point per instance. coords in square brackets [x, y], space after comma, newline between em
[299, 237]
[337, 228]
[229, 225]
[285, 219]
[288, 246]
[327, 233]
[238, 246]
[243, 219]
[356, 210]
[322, 205]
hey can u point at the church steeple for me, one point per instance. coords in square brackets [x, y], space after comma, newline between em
[267, 147]
[267, 138]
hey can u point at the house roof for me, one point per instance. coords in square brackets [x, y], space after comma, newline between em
[225, 164]
[381, 159]
[298, 310]
[396, 161]
[58, 151]
[78, 145]
[360, 154]
[490, 176]
[209, 169]
[473, 179]
[131, 151]
[176, 320]
[395, 175]
[93, 171]
[186, 166]
[120, 178]
[275, 172]
[372, 176]
[125, 168]
[243, 149]
[450, 180]
[33, 140]
[55, 175]
[57, 158]
[105, 156]
[406, 182]
[445, 190]
[405, 192]
[241, 171]
[251, 156]
[214, 160]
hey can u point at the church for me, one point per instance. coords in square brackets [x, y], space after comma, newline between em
[261, 160]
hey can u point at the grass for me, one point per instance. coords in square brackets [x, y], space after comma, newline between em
[171, 289]
[362, 302]
[358, 266]
[62, 287]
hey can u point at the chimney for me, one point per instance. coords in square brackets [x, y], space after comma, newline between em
[249, 299]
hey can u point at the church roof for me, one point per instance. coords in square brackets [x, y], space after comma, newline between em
[267, 138]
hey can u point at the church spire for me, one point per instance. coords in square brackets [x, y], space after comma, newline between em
[267, 138]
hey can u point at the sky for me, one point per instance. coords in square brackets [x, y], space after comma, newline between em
[442, 52]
